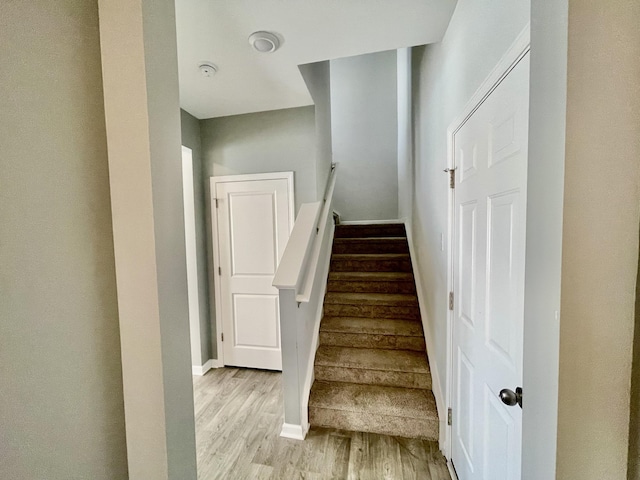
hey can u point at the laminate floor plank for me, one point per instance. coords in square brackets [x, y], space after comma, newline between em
[238, 419]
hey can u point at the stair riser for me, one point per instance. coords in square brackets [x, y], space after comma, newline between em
[370, 265]
[373, 377]
[381, 424]
[363, 340]
[370, 247]
[362, 231]
[370, 287]
[372, 311]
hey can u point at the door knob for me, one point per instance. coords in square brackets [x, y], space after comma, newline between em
[511, 398]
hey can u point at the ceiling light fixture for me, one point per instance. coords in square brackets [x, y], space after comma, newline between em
[264, 42]
[208, 69]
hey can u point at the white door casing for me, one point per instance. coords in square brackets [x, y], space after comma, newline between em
[489, 218]
[251, 226]
[192, 260]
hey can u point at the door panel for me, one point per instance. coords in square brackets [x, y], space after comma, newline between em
[490, 150]
[249, 333]
[252, 216]
[254, 220]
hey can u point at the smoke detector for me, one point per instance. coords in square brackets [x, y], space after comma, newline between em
[264, 42]
[208, 69]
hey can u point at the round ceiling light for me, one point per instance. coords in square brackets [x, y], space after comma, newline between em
[208, 69]
[264, 42]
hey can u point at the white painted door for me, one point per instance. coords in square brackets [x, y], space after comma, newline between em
[254, 220]
[490, 153]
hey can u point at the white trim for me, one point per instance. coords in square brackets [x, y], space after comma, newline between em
[369, 222]
[436, 386]
[310, 377]
[217, 362]
[518, 49]
[295, 432]
[201, 370]
[452, 472]
[213, 181]
[191, 250]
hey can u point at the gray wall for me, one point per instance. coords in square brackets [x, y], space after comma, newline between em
[61, 400]
[191, 138]
[446, 75]
[161, 67]
[600, 238]
[365, 135]
[317, 76]
[275, 141]
[405, 135]
[634, 420]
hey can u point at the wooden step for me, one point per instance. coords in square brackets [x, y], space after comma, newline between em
[389, 334]
[371, 305]
[371, 245]
[372, 311]
[371, 282]
[395, 368]
[393, 299]
[394, 411]
[366, 262]
[375, 230]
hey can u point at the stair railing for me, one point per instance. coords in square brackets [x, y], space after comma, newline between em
[301, 279]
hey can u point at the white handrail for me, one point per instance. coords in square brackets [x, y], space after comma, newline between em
[290, 269]
[299, 261]
[325, 217]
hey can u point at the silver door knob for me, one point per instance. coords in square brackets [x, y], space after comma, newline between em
[511, 398]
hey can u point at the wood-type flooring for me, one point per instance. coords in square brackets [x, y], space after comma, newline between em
[238, 421]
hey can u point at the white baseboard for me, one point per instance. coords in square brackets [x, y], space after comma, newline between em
[201, 370]
[296, 432]
[452, 472]
[217, 363]
[435, 377]
[369, 222]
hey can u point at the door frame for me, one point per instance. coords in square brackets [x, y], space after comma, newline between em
[215, 246]
[518, 49]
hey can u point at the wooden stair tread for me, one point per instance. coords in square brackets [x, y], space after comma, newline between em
[369, 256]
[392, 299]
[371, 276]
[372, 359]
[374, 399]
[370, 239]
[375, 230]
[381, 326]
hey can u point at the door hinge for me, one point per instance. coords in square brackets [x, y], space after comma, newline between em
[449, 416]
[219, 271]
[222, 337]
[216, 203]
[450, 300]
[452, 176]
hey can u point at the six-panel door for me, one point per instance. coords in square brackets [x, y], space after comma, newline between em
[490, 152]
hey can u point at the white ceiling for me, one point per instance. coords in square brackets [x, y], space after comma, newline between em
[217, 31]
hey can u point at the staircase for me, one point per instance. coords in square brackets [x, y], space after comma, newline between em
[371, 369]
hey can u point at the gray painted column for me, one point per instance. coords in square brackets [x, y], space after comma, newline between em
[139, 63]
[289, 343]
